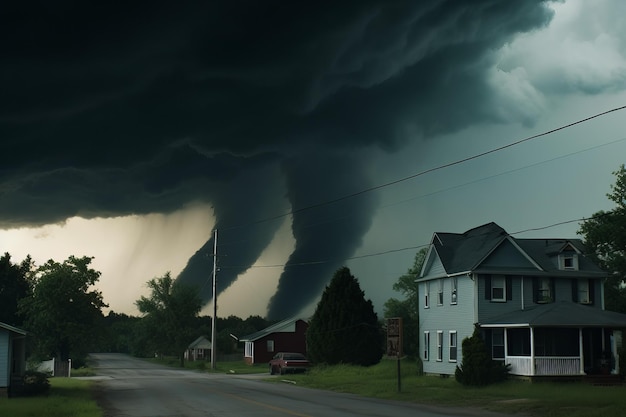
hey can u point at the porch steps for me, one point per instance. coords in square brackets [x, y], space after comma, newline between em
[604, 380]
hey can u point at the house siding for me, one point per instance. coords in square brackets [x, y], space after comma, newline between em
[524, 285]
[5, 345]
[445, 318]
[282, 341]
[488, 308]
[436, 268]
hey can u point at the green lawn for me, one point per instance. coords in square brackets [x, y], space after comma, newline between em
[67, 398]
[73, 398]
[537, 399]
[233, 367]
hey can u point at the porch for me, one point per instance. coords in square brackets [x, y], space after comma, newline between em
[556, 340]
[547, 352]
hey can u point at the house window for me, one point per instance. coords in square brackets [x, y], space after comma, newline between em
[426, 291]
[439, 345]
[498, 288]
[568, 261]
[426, 345]
[270, 345]
[453, 290]
[583, 292]
[440, 293]
[544, 292]
[453, 346]
[497, 344]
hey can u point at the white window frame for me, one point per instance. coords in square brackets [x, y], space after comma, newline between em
[454, 290]
[496, 279]
[270, 345]
[452, 344]
[249, 350]
[440, 292]
[584, 295]
[493, 345]
[426, 355]
[544, 289]
[426, 294]
[568, 261]
[439, 345]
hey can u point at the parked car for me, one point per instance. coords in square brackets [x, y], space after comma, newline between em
[284, 362]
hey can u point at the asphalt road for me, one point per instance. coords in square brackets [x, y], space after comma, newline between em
[128, 387]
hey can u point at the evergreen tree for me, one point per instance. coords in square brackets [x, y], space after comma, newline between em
[478, 368]
[605, 236]
[344, 327]
[15, 284]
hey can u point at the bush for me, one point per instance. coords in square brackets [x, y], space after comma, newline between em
[34, 383]
[478, 368]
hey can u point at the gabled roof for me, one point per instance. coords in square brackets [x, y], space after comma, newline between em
[285, 326]
[473, 251]
[12, 329]
[200, 343]
[461, 252]
[559, 314]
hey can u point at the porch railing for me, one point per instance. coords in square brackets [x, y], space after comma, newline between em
[544, 365]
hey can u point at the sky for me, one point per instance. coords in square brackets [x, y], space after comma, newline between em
[309, 135]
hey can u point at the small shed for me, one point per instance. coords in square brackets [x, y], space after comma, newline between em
[198, 350]
[12, 357]
[285, 336]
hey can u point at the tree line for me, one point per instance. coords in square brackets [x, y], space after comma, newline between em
[60, 307]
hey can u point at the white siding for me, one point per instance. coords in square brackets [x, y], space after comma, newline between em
[435, 268]
[4, 358]
[445, 318]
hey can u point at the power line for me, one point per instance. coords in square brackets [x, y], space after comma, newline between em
[429, 170]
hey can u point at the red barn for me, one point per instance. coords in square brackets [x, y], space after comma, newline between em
[285, 336]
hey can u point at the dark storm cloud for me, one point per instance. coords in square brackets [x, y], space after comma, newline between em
[116, 108]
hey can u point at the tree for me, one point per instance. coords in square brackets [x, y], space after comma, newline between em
[344, 327]
[478, 368]
[169, 315]
[605, 235]
[64, 311]
[408, 308]
[15, 284]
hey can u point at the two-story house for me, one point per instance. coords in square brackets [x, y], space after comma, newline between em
[539, 304]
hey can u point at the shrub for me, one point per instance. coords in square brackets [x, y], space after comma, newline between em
[477, 367]
[34, 383]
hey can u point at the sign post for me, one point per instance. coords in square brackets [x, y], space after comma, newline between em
[394, 343]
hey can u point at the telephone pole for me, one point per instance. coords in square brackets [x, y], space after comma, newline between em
[214, 319]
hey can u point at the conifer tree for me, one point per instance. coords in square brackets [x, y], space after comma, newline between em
[344, 327]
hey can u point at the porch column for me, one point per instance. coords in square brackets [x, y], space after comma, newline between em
[580, 351]
[532, 351]
[506, 344]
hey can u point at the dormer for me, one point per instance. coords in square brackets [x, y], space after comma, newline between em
[568, 258]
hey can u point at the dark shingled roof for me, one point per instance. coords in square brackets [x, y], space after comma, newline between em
[461, 252]
[560, 314]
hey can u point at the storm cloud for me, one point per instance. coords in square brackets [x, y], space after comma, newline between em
[256, 107]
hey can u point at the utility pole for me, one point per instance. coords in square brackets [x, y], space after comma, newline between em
[214, 319]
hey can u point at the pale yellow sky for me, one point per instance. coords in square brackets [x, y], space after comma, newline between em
[131, 250]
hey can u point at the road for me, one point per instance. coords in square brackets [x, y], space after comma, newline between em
[129, 387]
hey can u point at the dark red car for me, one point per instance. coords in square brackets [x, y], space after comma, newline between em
[284, 362]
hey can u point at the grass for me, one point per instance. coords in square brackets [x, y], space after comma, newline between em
[67, 398]
[74, 398]
[230, 367]
[535, 399]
